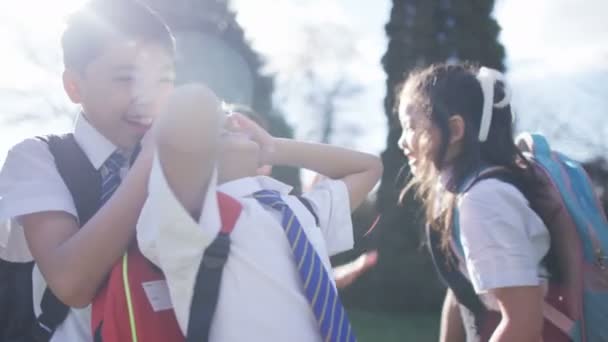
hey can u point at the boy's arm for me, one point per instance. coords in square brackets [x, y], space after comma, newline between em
[75, 261]
[187, 144]
[359, 171]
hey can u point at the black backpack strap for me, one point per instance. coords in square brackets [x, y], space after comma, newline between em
[209, 275]
[308, 206]
[451, 275]
[78, 174]
[445, 266]
[84, 184]
[16, 304]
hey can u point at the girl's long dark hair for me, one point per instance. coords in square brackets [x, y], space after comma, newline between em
[439, 92]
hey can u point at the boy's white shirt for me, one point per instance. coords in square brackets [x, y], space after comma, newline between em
[261, 292]
[30, 183]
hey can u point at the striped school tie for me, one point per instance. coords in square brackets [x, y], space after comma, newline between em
[322, 295]
[110, 175]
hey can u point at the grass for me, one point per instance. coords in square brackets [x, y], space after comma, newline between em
[384, 327]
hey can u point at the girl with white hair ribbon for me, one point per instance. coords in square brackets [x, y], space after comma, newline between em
[457, 121]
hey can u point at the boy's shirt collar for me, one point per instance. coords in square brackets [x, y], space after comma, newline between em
[247, 186]
[239, 188]
[96, 147]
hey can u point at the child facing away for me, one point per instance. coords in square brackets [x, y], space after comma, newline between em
[119, 68]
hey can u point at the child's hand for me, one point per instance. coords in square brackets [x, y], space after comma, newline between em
[241, 123]
[348, 273]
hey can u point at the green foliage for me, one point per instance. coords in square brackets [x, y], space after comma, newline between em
[378, 327]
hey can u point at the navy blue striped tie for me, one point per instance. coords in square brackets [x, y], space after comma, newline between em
[110, 175]
[318, 287]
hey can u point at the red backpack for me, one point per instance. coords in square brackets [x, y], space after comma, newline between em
[122, 310]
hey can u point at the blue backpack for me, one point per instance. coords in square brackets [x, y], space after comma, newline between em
[576, 304]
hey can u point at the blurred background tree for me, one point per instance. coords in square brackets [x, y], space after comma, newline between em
[211, 48]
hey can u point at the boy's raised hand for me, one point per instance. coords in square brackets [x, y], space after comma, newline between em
[359, 171]
[241, 123]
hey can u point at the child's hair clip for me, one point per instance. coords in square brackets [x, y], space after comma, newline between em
[487, 79]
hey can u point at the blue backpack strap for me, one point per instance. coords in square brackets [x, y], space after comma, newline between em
[209, 275]
[478, 320]
[496, 172]
[451, 276]
[446, 266]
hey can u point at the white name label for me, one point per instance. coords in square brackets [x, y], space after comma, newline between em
[158, 295]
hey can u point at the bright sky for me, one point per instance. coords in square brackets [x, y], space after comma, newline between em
[558, 67]
[557, 58]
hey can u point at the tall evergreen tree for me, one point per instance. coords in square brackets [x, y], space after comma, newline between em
[211, 48]
[421, 32]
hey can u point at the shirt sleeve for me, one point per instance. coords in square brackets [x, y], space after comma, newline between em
[29, 183]
[170, 238]
[498, 248]
[331, 203]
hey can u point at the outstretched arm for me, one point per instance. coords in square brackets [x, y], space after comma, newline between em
[359, 171]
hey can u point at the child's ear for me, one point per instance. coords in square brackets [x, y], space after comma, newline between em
[71, 85]
[457, 126]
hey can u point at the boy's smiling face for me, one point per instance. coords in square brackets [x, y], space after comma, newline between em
[124, 89]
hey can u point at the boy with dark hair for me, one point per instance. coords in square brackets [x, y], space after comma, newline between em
[119, 66]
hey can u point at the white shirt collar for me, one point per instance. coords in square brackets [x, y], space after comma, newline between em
[96, 147]
[246, 186]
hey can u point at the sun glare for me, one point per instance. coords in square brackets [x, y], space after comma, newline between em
[30, 28]
[39, 15]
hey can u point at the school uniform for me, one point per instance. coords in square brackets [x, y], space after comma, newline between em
[503, 239]
[261, 297]
[30, 183]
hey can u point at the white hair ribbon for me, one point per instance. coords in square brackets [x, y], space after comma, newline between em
[487, 78]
